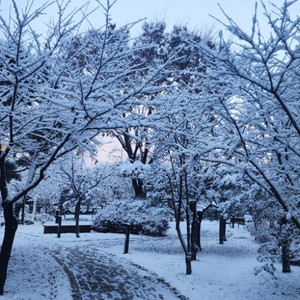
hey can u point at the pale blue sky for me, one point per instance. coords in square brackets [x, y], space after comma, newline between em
[195, 13]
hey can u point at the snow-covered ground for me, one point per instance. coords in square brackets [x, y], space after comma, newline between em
[45, 267]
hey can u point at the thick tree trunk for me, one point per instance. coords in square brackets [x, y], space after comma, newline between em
[286, 264]
[138, 188]
[11, 225]
[285, 245]
[194, 241]
[188, 263]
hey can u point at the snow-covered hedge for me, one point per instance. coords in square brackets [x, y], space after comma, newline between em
[144, 218]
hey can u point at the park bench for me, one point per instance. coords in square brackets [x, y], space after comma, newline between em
[238, 220]
[52, 228]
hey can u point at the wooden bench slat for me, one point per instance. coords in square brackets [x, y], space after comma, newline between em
[238, 220]
[66, 228]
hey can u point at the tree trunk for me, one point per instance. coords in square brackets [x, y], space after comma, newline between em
[23, 212]
[285, 245]
[138, 188]
[188, 263]
[34, 209]
[286, 264]
[194, 248]
[199, 214]
[11, 225]
[77, 214]
[194, 241]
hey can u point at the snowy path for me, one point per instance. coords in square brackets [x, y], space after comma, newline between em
[33, 275]
[97, 275]
[56, 269]
[44, 267]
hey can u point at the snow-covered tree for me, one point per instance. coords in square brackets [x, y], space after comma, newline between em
[136, 141]
[261, 106]
[50, 106]
[33, 125]
[183, 150]
[184, 136]
[184, 72]
[80, 182]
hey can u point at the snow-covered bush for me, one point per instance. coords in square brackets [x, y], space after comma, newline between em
[144, 218]
[43, 218]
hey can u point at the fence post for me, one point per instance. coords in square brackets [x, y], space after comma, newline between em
[221, 230]
[127, 234]
[59, 226]
[56, 216]
[224, 229]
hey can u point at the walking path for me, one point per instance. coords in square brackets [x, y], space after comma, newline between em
[79, 271]
[44, 267]
[98, 275]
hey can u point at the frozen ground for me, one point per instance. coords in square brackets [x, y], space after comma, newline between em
[94, 267]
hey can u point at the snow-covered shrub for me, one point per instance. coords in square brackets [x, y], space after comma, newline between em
[143, 218]
[134, 170]
[43, 218]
